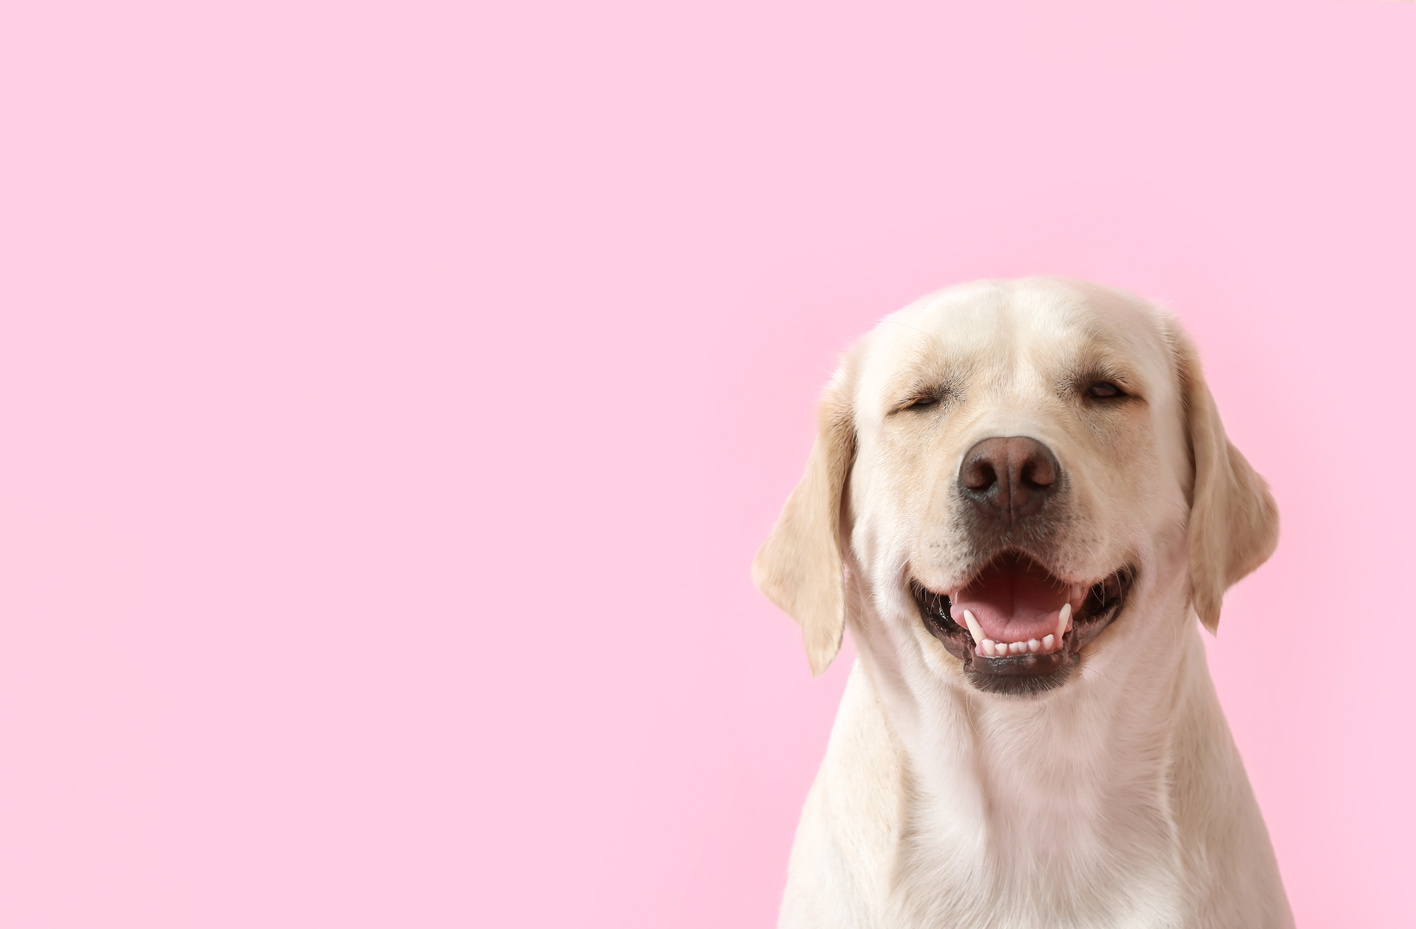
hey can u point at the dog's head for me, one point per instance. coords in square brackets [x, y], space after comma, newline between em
[998, 469]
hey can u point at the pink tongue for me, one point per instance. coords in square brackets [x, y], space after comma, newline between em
[1014, 599]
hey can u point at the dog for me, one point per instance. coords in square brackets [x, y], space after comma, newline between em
[1019, 500]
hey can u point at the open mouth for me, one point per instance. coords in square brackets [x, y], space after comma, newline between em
[1017, 627]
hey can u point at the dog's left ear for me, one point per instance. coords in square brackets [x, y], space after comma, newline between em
[1233, 518]
[800, 567]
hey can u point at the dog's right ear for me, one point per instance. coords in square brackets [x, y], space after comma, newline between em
[800, 567]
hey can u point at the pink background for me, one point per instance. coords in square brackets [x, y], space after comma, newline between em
[393, 396]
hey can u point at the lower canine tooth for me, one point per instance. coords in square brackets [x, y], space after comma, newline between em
[1064, 619]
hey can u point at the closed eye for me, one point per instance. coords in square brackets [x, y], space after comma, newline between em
[922, 395]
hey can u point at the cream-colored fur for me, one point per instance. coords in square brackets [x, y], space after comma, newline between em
[1115, 800]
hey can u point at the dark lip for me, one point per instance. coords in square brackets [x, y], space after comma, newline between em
[1027, 674]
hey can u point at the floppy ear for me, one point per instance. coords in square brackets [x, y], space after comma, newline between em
[1233, 519]
[799, 567]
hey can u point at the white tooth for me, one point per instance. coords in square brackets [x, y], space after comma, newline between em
[1048, 641]
[974, 628]
[1034, 645]
[1017, 648]
[985, 648]
[1064, 619]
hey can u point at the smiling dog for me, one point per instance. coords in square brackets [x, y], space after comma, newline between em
[1020, 498]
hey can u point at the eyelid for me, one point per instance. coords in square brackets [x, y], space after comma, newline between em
[924, 390]
[1121, 388]
[924, 399]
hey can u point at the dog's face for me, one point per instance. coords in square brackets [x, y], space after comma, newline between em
[999, 468]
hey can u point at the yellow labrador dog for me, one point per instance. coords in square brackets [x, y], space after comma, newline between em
[1019, 499]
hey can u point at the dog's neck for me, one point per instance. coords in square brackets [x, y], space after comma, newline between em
[1056, 781]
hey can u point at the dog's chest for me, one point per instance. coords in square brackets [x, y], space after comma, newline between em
[1035, 826]
[938, 814]
[1026, 870]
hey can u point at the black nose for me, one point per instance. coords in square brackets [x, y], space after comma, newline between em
[1009, 479]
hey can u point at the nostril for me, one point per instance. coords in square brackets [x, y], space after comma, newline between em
[979, 475]
[1038, 472]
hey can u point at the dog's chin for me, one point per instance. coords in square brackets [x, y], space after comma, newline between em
[1024, 661]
